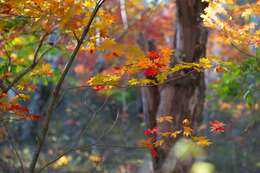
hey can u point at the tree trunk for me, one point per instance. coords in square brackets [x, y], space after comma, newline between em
[182, 98]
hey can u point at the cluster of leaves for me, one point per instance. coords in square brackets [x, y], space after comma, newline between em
[235, 22]
[152, 143]
[140, 69]
[246, 75]
[13, 107]
[25, 57]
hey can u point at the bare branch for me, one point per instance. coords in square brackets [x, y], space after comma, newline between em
[242, 51]
[12, 142]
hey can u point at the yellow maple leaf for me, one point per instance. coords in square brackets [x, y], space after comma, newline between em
[159, 143]
[187, 131]
[165, 134]
[163, 118]
[64, 160]
[95, 158]
[202, 140]
[175, 134]
[23, 97]
[47, 69]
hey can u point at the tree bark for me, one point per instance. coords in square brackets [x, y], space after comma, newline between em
[182, 98]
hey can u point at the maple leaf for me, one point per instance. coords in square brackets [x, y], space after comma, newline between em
[23, 97]
[217, 126]
[187, 131]
[99, 87]
[153, 152]
[175, 134]
[3, 94]
[147, 143]
[165, 134]
[152, 131]
[217, 129]
[186, 122]
[166, 52]
[33, 117]
[19, 108]
[150, 72]
[202, 140]
[47, 69]
[153, 55]
[167, 118]
[158, 143]
[95, 158]
[219, 69]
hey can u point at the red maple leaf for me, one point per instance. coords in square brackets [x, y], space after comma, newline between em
[220, 69]
[217, 126]
[150, 72]
[152, 131]
[148, 144]
[153, 152]
[34, 117]
[153, 55]
[19, 108]
[99, 87]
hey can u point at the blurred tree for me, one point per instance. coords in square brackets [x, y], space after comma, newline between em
[182, 98]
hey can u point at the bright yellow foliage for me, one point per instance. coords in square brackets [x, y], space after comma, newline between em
[202, 140]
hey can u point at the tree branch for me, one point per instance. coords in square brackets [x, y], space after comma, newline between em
[57, 88]
[28, 69]
[241, 51]
[15, 150]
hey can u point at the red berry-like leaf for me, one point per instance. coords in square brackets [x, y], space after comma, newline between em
[150, 72]
[99, 87]
[153, 55]
[19, 108]
[153, 152]
[152, 131]
[217, 126]
[33, 117]
[220, 69]
[218, 130]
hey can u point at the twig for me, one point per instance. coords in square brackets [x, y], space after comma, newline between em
[92, 117]
[29, 68]
[135, 86]
[57, 88]
[75, 35]
[91, 145]
[110, 129]
[73, 148]
[12, 143]
[241, 51]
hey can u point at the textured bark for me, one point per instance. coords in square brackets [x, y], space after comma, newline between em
[182, 98]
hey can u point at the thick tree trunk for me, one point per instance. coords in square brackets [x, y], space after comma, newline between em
[182, 98]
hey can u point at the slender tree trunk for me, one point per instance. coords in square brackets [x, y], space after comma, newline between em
[182, 98]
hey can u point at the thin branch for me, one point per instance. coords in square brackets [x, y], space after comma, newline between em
[29, 68]
[75, 35]
[12, 143]
[57, 88]
[136, 86]
[88, 146]
[110, 129]
[242, 51]
[73, 148]
[93, 116]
